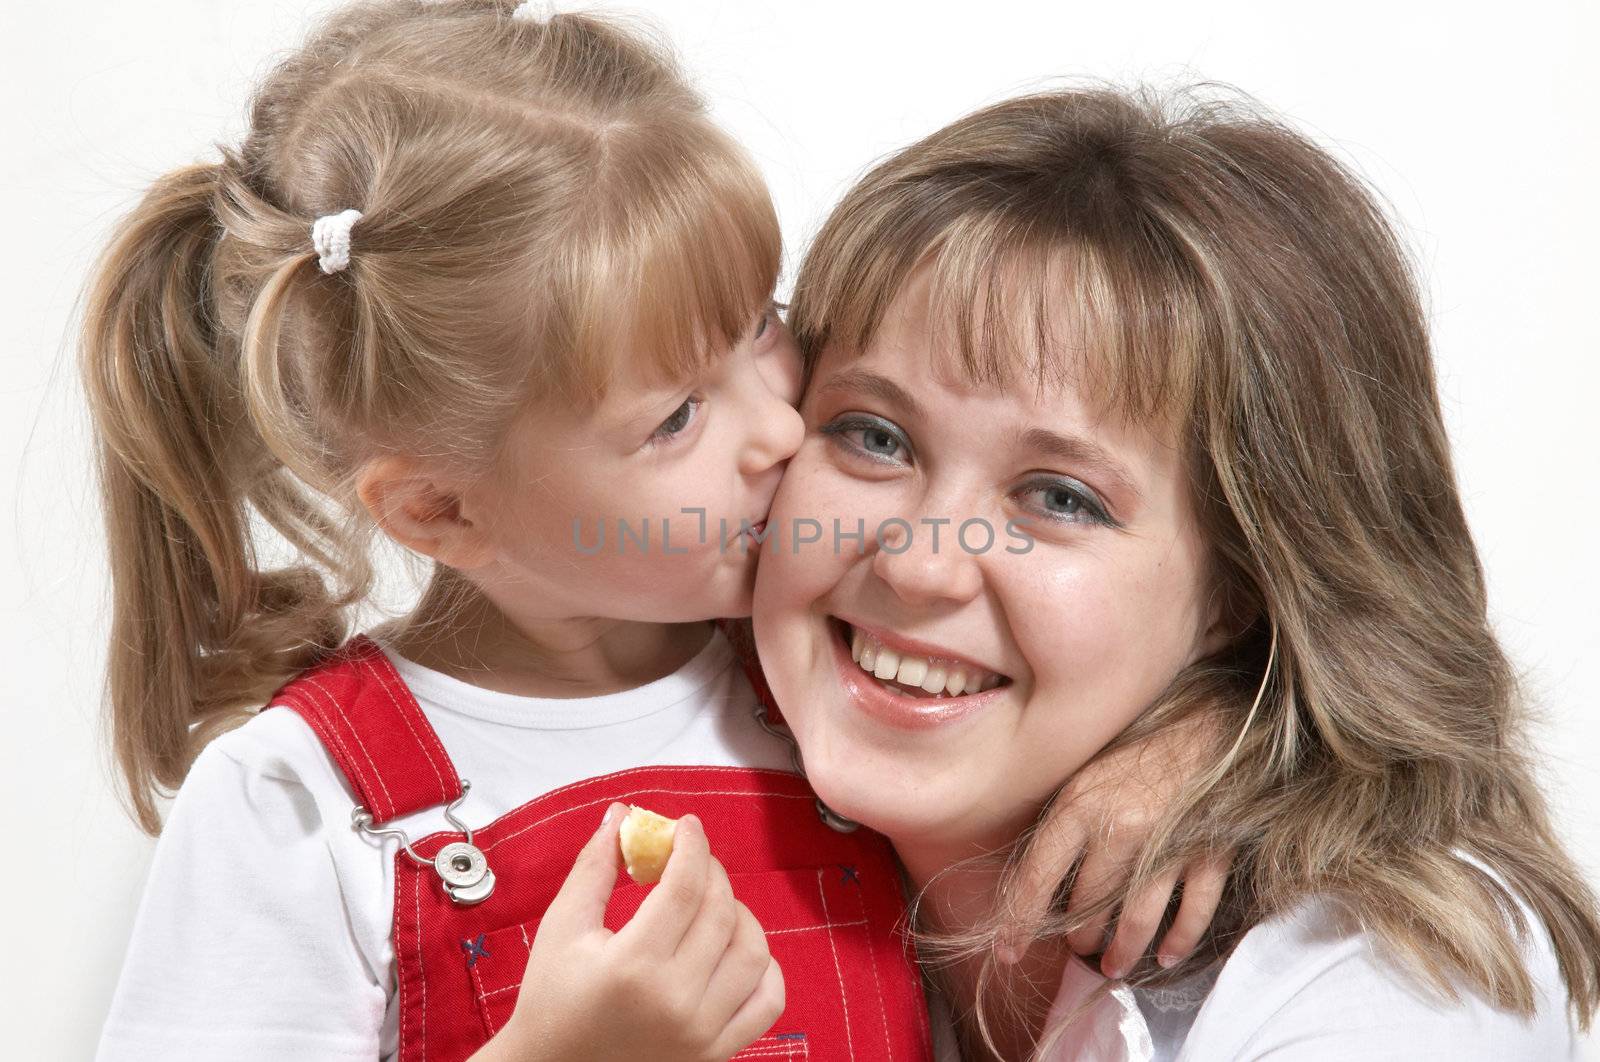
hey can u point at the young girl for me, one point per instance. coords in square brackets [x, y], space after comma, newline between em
[475, 277]
[1181, 341]
[493, 285]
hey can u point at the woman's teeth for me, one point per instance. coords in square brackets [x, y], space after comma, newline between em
[917, 672]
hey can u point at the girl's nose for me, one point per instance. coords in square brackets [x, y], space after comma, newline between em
[776, 430]
[924, 562]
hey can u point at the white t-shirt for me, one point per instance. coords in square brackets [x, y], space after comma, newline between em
[265, 927]
[1310, 987]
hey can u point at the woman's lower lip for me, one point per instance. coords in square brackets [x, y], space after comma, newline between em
[897, 710]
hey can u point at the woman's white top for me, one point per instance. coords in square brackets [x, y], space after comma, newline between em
[1309, 987]
[264, 931]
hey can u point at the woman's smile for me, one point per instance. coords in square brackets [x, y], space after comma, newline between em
[909, 684]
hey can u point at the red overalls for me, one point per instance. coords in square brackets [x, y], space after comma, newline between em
[830, 902]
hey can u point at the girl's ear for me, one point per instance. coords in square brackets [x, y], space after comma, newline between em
[423, 512]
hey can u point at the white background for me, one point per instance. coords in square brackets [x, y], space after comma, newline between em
[1478, 123]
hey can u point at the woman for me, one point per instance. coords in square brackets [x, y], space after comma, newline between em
[1135, 403]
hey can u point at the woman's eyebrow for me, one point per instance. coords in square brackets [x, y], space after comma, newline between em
[870, 383]
[1074, 450]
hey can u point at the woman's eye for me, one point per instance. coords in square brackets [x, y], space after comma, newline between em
[680, 419]
[871, 437]
[878, 441]
[1065, 501]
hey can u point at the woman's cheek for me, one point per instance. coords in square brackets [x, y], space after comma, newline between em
[851, 507]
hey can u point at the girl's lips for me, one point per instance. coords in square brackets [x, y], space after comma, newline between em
[898, 710]
[751, 530]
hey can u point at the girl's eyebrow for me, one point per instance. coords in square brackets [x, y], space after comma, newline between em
[874, 385]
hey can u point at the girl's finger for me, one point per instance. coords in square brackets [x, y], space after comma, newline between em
[755, 1016]
[667, 913]
[707, 938]
[1202, 892]
[1100, 872]
[580, 906]
[1055, 847]
[1136, 926]
[739, 971]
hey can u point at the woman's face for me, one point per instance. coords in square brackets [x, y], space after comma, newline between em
[1053, 648]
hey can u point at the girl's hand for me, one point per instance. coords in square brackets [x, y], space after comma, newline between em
[688, 979]
[1103, 816]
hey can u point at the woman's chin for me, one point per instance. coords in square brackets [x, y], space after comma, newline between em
[881, 803]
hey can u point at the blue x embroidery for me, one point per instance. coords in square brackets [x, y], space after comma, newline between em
[474, 950]
[851, 876]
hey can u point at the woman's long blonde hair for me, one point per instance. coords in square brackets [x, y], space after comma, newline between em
[536, 196]
[1226, 278]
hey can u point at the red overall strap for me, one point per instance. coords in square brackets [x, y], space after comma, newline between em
[743, 639]
[375, 731]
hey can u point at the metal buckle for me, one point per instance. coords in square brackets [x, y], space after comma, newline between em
[462, 867]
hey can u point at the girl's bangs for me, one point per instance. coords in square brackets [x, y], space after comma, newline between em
[690, 254]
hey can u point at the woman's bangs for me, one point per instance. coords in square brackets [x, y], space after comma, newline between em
[1009, 307]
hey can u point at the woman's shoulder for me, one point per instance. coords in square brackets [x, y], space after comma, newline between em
[1312, 983]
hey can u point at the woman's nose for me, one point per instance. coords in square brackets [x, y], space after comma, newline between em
[923, 562]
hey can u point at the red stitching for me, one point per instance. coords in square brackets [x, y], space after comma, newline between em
[877, 985]
[849, 1038]
[399, 965]
[637, 792]
[649, 770]
[329, 735]
[422, 974]
[483, 999]
[825, 925]
[383, 682]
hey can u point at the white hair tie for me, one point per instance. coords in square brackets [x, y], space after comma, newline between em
[330, 236]
[534, 11]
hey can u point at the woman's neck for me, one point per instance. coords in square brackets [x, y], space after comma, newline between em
[456, 629]
[957, 894]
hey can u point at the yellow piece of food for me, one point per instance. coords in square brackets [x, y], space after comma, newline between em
[646, 844]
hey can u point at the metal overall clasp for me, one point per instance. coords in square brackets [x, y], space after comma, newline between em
[461, 865]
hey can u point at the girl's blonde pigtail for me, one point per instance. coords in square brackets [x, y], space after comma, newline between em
[199, 634]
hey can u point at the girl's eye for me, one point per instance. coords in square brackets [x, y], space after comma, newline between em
[1066, 501]
[871, 437]
[767, 324]
[680, 419]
